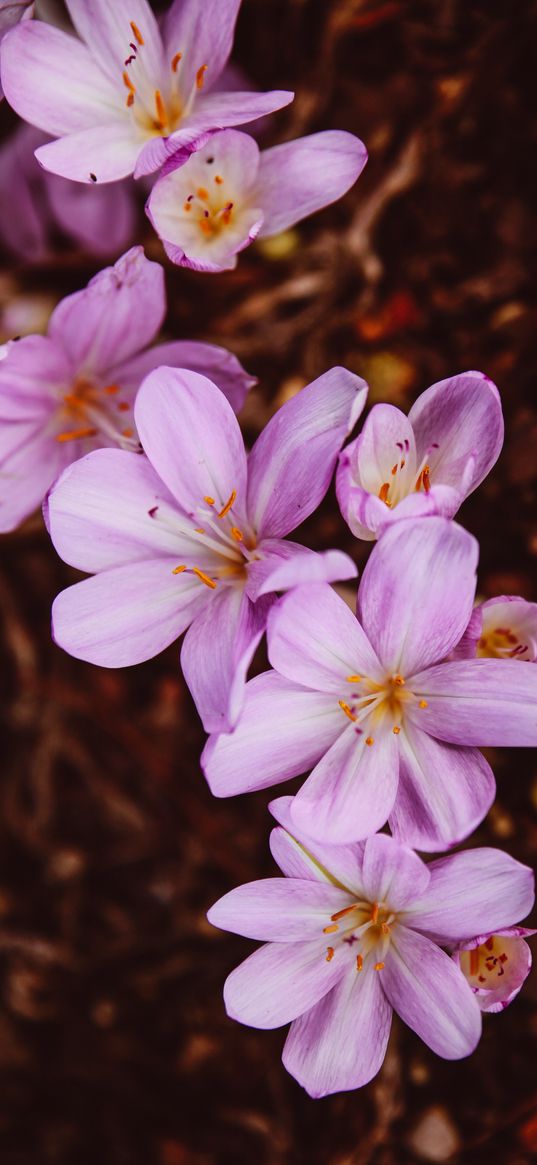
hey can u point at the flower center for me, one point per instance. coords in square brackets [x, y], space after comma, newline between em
[89, 408]
[230, 548]
[500, 643]
[381, 705]
[403, 480]
[363, 926]
[210, 209]
[157, 112]
[484, 965]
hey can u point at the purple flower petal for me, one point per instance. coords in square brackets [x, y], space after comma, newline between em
[216, 363]
[351, 791]
[431, 995]
[100, 512]
[106, 28]
[117, 314]
[101, 218]
[52, 81]
[485, 702]
[283, 730]
[277, 983]
[126, 615]
[191, 436]
[27, 471]
[340, 1043]
[315, 640]
[470, 892]
[302, 176]
[462, 418]
[292, 462]
[286, 564]
[278, 909]
[392, 873]
[299, 855]
[104, 153]
[204, 34]
[217, 653]
[33, 373]
[443, 794]
[416, 593]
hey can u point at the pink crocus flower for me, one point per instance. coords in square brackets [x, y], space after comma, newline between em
[426, 463]
[73, 389]
[101, 219]
[496, 965]
[502, 628]
[129, 93]
[192, 535]
[11, 11]
[229, 193]
[389, 727]
[355, 932]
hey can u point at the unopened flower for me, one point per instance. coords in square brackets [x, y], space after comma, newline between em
[426, 463]
[501, 628]
[354, 932]
[229, 193]
[73, 389]
[495, 965]
[371, 705]
[193, 534]
[35, 204]
[11, 11]
[129, 93]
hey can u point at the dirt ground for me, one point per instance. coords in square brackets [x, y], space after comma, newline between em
[114, 1045]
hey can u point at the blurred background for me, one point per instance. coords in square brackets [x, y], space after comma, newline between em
[114, 1044]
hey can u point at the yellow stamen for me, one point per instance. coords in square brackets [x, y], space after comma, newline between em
[329, 954]
[127, 81]
[187, 206]
[204, 578]
[202, 193]
[72, 399]
[394, 470]
[218, 179]
[369, 740]
[383, 492]
[136, 32]
[474, 961]
[130, 100]
[199, 530]
[423, 704]
[75, 434]
[379, 966]
[426, 479]
[375, 913]
[396, 730]
[200, 76]
[359, 962]
[162, 116]
[330, 929]
[175, 61]
[345, 708]
[127, 432]
[209, 500]
[225, 509]
[237, 534]
[178, 569]
[353, 679]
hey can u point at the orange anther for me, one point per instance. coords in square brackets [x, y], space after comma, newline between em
[423, 704]
[394, 470]
[353, 679]
[76, 434]
[178, 569]
[218, 179]
[348, 711]
[175, 61]
[379, 966]
[162, 116]
[369, 740]
[199, 530]
[127, 81]
[123, 406]
[383, 492]
[204, 578]
[111, 389]
[474, 961]
[237, 534]
[200, 76]
[359, 962]
[209, 500]
[341, 913]
[330, 929]
[426, 479]
[127, 432]
[202, 193]
[225, 509]
[130, 100]
[187, 206]
[136, 32]
[329, 954]
[396, 730]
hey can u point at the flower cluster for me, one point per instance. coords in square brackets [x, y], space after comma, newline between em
[137, 453]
